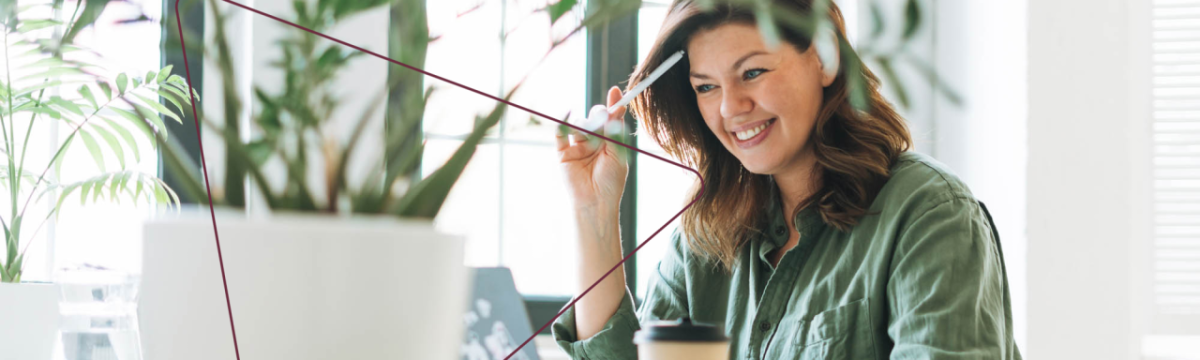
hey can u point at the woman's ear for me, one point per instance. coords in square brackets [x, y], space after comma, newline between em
[826, 45]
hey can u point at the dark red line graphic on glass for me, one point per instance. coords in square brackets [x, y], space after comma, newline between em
[187, 71]
[229, 307]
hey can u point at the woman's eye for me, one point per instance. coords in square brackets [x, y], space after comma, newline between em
[703, 88]
[753, 73]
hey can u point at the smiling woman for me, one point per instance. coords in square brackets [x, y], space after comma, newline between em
[827, 152]
[815, 234]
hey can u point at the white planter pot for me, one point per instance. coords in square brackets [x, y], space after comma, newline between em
[28, 320]
[301, 287]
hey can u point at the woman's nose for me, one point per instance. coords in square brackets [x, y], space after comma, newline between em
[734, 102]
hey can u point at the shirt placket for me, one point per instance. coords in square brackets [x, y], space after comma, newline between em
[780, 285]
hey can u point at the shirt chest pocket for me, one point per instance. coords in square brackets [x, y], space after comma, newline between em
[843, 332]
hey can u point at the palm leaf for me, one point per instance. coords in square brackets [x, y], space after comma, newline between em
[426, 197]
[112, 143]
[159, 108]
[93, 148]
[127, 136]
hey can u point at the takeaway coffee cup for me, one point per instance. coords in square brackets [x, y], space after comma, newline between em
[681, 340]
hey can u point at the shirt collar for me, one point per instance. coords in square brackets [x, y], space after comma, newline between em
[775, 235]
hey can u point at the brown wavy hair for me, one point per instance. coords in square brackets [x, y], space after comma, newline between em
[854, 148]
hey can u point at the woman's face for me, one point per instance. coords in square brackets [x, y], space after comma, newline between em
[761, 104]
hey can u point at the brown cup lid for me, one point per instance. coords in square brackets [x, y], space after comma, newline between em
[682, 329]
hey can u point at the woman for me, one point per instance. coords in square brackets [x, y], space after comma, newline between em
[818, 235]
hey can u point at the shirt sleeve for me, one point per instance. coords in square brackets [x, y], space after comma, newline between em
[948, 292]
[664, 300]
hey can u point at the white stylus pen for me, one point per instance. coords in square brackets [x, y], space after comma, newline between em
[598, 115]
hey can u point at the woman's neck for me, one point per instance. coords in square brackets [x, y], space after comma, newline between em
[796, 184]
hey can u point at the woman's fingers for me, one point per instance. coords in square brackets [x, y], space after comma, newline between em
[614, 95]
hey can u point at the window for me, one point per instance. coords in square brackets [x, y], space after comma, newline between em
[1175, 273]
[511, 203]
[72, 241]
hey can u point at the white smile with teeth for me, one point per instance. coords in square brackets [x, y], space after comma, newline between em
[747, 134]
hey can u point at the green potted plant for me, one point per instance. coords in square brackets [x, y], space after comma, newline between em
[43, 82]
[334, 257]
[369, 236]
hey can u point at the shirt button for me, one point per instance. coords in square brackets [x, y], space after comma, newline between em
[764, 326]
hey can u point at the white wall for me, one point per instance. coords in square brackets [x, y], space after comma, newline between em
[1080, 188]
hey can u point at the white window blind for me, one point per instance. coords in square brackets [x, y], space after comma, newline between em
[1176, 166]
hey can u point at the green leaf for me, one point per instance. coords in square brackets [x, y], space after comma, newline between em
[15, 268]
[174, 99]
[172, 197]
[160, 195]
[127, 136]
[151, 116]
[52, 73]
[343, 9]
[98, 189]
[93, 148]
[876, 21]
[893, 81]
[559, 8]
[137, 122]
[180, 93]
[134, 82]
[122, 82]
[259, 151]
[31, 25]
[138, 185]
[86, 188]
[91, 12]
[62, 154]
[183, 86]
[87, 94]
[164, 73]
[856, 85]
[107, 89]
[118, 183]
[46, 110]
[931, 75]
[159, 108]
[66, 191]
[150, 76]
[912, 18]
[426, 197]
[66, 104]
[112, 143]
[50, 62]
[39, 86]
[766, 24]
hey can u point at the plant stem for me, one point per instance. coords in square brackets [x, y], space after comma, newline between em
[13, 235]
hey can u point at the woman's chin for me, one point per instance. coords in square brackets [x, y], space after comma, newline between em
[759, 168]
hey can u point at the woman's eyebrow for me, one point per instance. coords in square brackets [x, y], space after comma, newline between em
[736, 64]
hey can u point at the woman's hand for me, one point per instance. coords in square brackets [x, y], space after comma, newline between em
[595, 170]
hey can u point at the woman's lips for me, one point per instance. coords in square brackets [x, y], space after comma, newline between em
[757, 138]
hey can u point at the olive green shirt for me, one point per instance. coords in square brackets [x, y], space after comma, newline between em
[920, 277]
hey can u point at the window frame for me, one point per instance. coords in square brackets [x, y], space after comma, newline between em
[184, 131]
[612, 47]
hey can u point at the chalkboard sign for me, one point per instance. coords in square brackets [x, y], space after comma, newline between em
[496, 321]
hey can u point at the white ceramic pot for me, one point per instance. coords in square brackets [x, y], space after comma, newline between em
[301, 287]
[28, 320]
